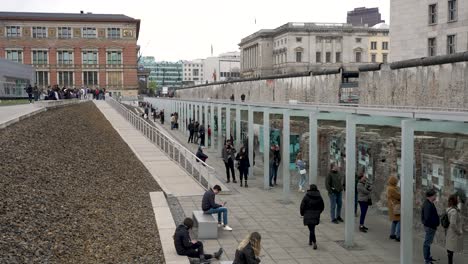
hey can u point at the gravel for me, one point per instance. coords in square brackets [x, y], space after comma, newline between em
[71, 191]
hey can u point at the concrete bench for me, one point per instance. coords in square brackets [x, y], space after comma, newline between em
[207, 225]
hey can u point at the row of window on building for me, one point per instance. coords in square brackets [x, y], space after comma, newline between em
[373, 45]
[452, 9]
[330, 40]
[195, 72]
[281, 58]
[64, 32]
[451, 45]
[41, 57]
[90, 78]
[230, 74]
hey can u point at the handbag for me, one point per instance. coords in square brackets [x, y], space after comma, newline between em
[369, 201]
[396, 209]
[303, 171]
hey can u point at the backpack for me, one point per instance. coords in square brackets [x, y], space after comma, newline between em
[444, 220]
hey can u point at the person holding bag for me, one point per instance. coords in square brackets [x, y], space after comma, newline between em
[394, 207]
[300, 164]
[311, 207]
[364, 190]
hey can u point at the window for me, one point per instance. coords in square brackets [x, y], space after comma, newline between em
[196, 72]
[40, 57]
[452, 10]
[39, 32]
[281, 42]
[64, 32]
[298, 56]
[451, 44]
[328, 57]
[431, 47]
[114, 78]
[65, 78]
[13, 31]
[89, 32]
[90, 57]
[433, 14]
[358, 40]
[90, 78]
[114, 57]
[385, 45]
[338, 57]
[384, 57]
[298, 39]
[328, 40]
[113, 33]
[373, 45]
[15, 55]
[64, 57]
[318, 57]
[42, 78]
[358, 56]
[373, 57]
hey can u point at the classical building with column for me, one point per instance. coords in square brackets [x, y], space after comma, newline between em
[300, 47]
[74, 49]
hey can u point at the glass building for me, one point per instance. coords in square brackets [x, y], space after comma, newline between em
[165, 74]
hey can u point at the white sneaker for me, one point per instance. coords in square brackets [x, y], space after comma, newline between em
[227, 228]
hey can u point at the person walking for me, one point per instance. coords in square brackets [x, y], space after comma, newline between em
[364, 190]
[173, 121]
[430, 220]
[36, 92]
[454, 232]
[228, 158]
[161, 115]
[311, 207]
[209, 206]
[248, 251]
[201, 132]
[243, 165]
[196, 129]
[335, 185]
[191, 129]
[275, 159]
[209, 135]
[394, 208]
[300, 165]
[185, 246]
[29, 91]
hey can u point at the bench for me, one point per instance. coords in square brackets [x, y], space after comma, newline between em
[207, 225]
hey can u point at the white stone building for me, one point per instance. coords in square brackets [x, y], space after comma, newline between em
[222, 68]
[193, 72]
[299, 47]
[421, 28]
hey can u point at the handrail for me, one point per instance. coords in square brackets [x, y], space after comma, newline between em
[198, 169]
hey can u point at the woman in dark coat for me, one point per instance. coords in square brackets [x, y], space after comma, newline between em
[311, 208]
[243, 165]
[248, 251]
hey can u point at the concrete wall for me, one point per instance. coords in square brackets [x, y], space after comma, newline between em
[321, 88]
[444, 85]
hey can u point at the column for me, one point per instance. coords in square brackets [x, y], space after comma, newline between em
[266, 149]
[350, 179]
[238, 127]
[220, 131]
[313, 148]
[212, 147]
[199, 113]
[250, 136]
[206, 124]
[228, 123]
[285, 157]
[406, 221]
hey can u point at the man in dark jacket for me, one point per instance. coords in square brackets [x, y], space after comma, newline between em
[228, 157]
[209, 206]
[430, 220]
[311, 208]
[334, 184]
[275, 159]
[185, 246]
[191, 129]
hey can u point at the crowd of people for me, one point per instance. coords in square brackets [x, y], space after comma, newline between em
[54, 92]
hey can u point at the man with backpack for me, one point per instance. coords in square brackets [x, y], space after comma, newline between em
[430, 220]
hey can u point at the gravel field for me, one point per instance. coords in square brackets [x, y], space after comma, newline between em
[71, 191]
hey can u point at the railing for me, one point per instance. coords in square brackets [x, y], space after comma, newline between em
[204, 174]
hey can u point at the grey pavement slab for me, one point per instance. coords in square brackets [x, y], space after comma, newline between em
[14, 113]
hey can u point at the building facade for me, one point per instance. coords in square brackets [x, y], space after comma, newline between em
[164, 73]
[222, 68]
[193, 72]
[423, 28]
[14, 78]
[361, 16]
[300, 47]
[74, 50]
[379, 45]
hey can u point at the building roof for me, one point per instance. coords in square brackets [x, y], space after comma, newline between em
[69, 17]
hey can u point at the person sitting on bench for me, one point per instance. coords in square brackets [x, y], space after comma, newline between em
[210, 207]
[185, 246]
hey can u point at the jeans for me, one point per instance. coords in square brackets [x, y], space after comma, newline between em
[190, 139]
[363, 206]
[273, 173]
[450, 256]
[335, 204]
[302, 180]
[312, 234]
[395, 231]
[219, 211]
[230, 167]
[428, 238]
[355, 200]
[243, 173]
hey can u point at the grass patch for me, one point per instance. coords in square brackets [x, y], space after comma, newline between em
[13, 102]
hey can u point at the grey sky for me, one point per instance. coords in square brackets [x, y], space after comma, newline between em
[186, 29]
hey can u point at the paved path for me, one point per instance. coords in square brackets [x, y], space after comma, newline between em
[13, 113]
[284, 235]
[172, 178]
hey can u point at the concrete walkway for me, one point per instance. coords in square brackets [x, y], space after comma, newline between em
[284, 235]
[14, 113]
[172, 178]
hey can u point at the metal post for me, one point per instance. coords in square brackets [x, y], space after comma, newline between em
[212, 147]
[266, 149]
[220, 131]
[238, 127]
[228, 123]
[407, 163]
[250, 132]
[285, 157]
[350, 179]
[313, 148]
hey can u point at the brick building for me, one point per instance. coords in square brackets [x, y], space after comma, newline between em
[74, 50]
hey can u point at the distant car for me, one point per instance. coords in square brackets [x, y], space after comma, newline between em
[352, 99]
